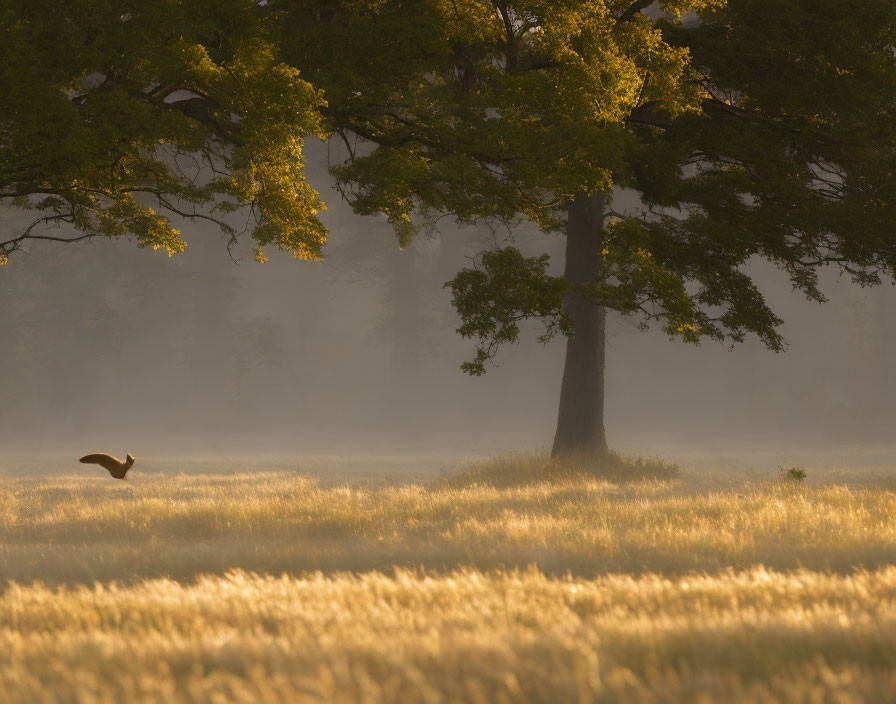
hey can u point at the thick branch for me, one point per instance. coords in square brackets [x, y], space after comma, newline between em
[632, 10]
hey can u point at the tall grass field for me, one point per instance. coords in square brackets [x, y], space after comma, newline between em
[508, 582]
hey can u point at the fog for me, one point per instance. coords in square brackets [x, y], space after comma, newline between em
[106, 347]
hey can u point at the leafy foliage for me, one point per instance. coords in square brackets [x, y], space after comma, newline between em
[511, 110]
[792, 474]
[506, 289]
[493, 94]
[116, 115]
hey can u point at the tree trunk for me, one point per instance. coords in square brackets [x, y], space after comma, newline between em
[580, 421]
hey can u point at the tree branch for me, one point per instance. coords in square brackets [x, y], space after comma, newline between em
[629, 13]
[10, 246]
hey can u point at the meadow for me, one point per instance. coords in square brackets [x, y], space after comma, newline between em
[504, 583]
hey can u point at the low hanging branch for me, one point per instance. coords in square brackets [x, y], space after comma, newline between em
[88, 128]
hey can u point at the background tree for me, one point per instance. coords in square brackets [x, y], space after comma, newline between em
[114, 114]
[745, 138]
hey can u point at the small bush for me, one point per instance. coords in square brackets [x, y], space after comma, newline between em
[792, 474]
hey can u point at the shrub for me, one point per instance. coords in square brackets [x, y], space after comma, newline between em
[792, 474]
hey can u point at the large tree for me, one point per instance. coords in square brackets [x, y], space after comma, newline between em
[116, 115]
[749, 130]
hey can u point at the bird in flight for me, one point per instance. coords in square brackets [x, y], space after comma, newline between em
[116, 467]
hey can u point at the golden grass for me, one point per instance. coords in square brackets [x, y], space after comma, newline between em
[78, 530]
[159, 589]
[465, 636]
[521, 469]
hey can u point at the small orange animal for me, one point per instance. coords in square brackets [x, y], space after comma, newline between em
[116, 467]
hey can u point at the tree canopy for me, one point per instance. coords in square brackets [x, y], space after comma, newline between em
[114, 116]
[748, 130]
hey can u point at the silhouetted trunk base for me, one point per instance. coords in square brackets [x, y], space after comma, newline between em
[591, 453]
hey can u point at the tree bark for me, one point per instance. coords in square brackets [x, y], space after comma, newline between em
[580, 421]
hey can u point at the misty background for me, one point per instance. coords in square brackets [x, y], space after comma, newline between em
[106, 347]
